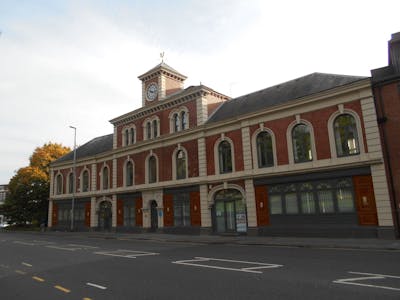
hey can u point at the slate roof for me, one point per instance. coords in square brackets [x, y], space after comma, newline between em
[163, 65]
[95, 146]
[280, 94]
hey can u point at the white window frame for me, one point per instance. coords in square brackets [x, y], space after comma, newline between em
[290, 143]
[174, 162]
[254, 147]
[216, 154]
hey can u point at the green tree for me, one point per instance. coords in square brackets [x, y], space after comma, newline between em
[27, 199]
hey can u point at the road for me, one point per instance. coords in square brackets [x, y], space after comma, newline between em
[61, 266]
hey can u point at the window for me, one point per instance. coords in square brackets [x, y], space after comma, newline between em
[311, 198]
[152, 169]
[129, 174]
[183, 120]
[59, 187]
[155, 128]
[176, 122]
[264, 150]
[301, 142]
[307, 198]
[126, 137]
[225, 157]
[148, 130]
[133, 136]
[105, 178]
[71, 183]
[85, 181]
[344, 196]
[181, 210]
[346, 136]
[180, 165]
[129, 214]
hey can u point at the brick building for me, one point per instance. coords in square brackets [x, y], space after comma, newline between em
[299, 158]
[386, 88]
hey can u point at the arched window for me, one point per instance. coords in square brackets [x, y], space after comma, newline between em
[132, 136]
[225, 157]
[346, 136]
[152, 169]
[71, 183]
[183, 120]
[59, 187]
[126, 137]
[180, 165]
[176, 122]
[155, 128]
[301, 142]
[264, 150]
[129, 174]
[105, 178]
[148, 130]
[85, 181]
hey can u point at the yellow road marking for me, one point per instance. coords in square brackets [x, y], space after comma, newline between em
[63, 289]
[38, 278]
[87, 298]
[20, 272]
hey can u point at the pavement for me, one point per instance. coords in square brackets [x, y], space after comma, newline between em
[301, 242]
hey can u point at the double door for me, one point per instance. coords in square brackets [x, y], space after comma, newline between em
[230, 216]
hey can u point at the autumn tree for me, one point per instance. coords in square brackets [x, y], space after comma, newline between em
[26, 202]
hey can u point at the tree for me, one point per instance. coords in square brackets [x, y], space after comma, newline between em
[27, 199]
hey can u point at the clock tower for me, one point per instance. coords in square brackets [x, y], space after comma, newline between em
[159, 83]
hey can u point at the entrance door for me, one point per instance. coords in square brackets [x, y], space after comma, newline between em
[105, 215]
[153, 215]
[230, 212]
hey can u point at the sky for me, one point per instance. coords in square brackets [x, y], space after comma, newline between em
[76, 63]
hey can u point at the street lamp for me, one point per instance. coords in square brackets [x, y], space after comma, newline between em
[73, 180]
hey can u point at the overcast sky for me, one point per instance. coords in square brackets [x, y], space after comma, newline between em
[76, 62]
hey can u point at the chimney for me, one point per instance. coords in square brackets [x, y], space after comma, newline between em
[394, 52]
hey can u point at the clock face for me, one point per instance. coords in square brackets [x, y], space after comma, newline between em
[151, 92]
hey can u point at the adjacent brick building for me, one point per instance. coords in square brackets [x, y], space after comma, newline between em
[386, 88]
[299, 158]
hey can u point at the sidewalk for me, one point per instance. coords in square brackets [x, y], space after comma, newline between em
[303, 242]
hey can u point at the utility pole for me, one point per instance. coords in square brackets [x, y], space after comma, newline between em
[73, 181]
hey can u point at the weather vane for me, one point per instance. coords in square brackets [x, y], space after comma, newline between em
[162, 56]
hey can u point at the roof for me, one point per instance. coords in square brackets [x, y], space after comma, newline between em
[280, 94]
[95, 146]
[165, 67]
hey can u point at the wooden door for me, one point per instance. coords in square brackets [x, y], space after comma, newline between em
[87, 214]
[168, 203]
[139, 212]
[54, 215]
[261, 196]
[365, 200]
[195, 214]
[120, 213]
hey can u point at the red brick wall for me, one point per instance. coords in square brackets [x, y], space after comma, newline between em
[172, 86]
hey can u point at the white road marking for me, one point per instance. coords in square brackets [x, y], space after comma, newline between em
[368, 276]
[126, 253]
[83, 246]
[33, 243]
[62, 248]
[26, 264]
[4, 266]
[96, 286]
[197, 260]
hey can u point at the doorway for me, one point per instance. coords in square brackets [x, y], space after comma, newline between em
[105, 215]
[153, 215]
[229, 212]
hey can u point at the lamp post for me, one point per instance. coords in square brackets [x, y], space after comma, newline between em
[73, 181]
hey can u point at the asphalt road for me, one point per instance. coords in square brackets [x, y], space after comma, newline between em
[60, 266]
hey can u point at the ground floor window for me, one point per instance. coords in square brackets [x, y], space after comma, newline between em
[182, 209]
[64, 212]
[230, 211]
[129, 214]
[314, 197]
